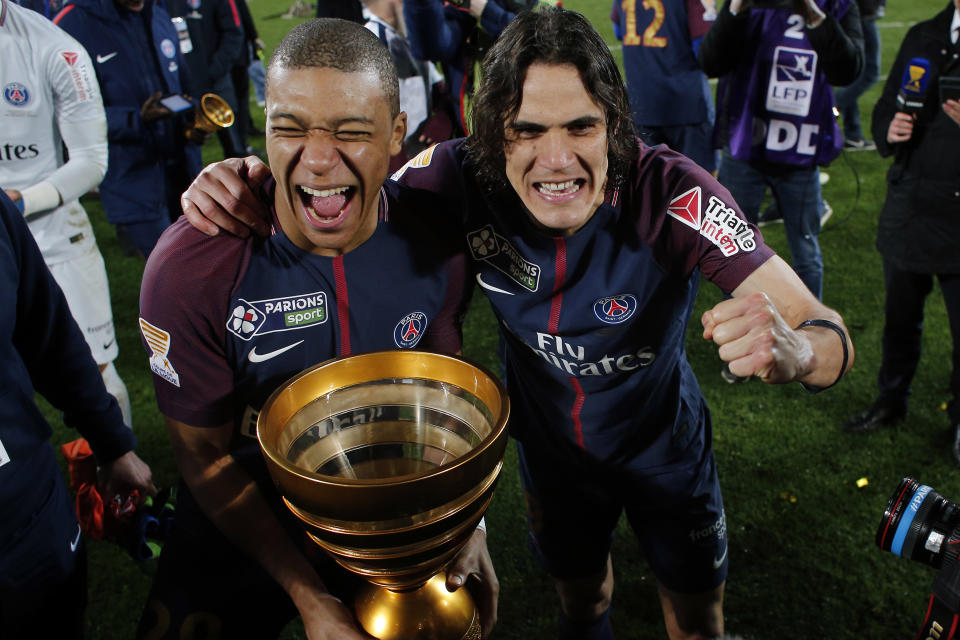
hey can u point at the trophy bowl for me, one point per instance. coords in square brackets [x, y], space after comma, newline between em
[389, 460]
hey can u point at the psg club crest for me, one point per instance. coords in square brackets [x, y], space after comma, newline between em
[244, 321]
[410, 329]
[16, 94]
[615, 309]
[166, 46]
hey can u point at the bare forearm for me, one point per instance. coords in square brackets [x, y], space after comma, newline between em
[232, 501]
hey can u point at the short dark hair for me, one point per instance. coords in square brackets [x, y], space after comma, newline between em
[338, 44]
[552, 36]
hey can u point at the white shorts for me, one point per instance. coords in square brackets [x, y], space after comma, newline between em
[84, 283]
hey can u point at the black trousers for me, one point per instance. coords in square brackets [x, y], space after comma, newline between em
[907, 292]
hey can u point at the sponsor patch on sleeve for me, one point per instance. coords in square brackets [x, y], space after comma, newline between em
[81, 74]
[718, 223]
[420, 161]
[159, 342]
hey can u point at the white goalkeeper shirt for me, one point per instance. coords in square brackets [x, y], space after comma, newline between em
[49, 97]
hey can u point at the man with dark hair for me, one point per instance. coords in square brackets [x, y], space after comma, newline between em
[589, 246]
[238, 562]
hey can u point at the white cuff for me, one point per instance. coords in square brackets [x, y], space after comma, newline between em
[39, 197]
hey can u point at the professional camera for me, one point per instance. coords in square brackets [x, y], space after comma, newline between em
[922, 525]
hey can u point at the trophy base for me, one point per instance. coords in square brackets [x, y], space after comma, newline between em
[429, 612]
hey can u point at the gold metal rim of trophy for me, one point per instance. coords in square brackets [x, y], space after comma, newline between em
[389, 460]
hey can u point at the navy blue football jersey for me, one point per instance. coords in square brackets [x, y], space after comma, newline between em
[593, 324]
[227, 320]
[664, 80]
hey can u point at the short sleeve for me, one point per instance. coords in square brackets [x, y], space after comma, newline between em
[183, 305]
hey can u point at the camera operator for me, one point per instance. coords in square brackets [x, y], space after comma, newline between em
[776, 60]
[919, 229]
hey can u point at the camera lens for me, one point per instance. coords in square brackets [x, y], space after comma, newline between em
[916, 523]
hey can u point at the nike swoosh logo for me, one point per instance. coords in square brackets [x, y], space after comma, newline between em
[719, 561]
[76, 541]
[101, 59]
[106, 345]
[255, 357]
[490, 287]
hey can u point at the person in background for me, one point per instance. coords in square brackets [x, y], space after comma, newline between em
[51, 102]
[43, 558]
[138, 64]
[428, 121]
[918, 234]
[775, 119]
[848, 97]
[669, 95]
[456, 35]
[345, 9]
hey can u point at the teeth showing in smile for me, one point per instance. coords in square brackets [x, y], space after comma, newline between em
[558, 188]
[323, 193]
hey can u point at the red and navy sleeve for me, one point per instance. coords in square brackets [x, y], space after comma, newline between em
[692, 221]
[183, 309]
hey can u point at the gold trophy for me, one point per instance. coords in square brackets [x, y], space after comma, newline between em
[389, 460]
[213, 113]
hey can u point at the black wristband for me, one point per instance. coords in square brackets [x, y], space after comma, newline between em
[817, 322]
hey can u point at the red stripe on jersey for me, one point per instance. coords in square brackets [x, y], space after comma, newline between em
[575, 412]
[3, 12]
[236, 14]
[560, 276]
[67, 9]
[343, 305]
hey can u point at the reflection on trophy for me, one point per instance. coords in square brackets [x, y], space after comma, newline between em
[389, 460]
[212, 114]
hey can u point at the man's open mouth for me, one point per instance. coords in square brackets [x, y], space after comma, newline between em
[325, 206]
[559, 189]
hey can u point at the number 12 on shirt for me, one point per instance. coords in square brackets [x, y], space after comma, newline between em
[650, 37]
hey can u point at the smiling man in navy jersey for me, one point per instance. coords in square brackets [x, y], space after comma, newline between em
[589, 245]
[351, 265]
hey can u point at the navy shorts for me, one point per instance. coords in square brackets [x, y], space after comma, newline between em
[676, 513]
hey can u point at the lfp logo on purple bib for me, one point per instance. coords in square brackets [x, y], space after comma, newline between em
[615, 309]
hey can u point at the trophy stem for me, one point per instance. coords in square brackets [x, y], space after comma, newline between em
[429, 612]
